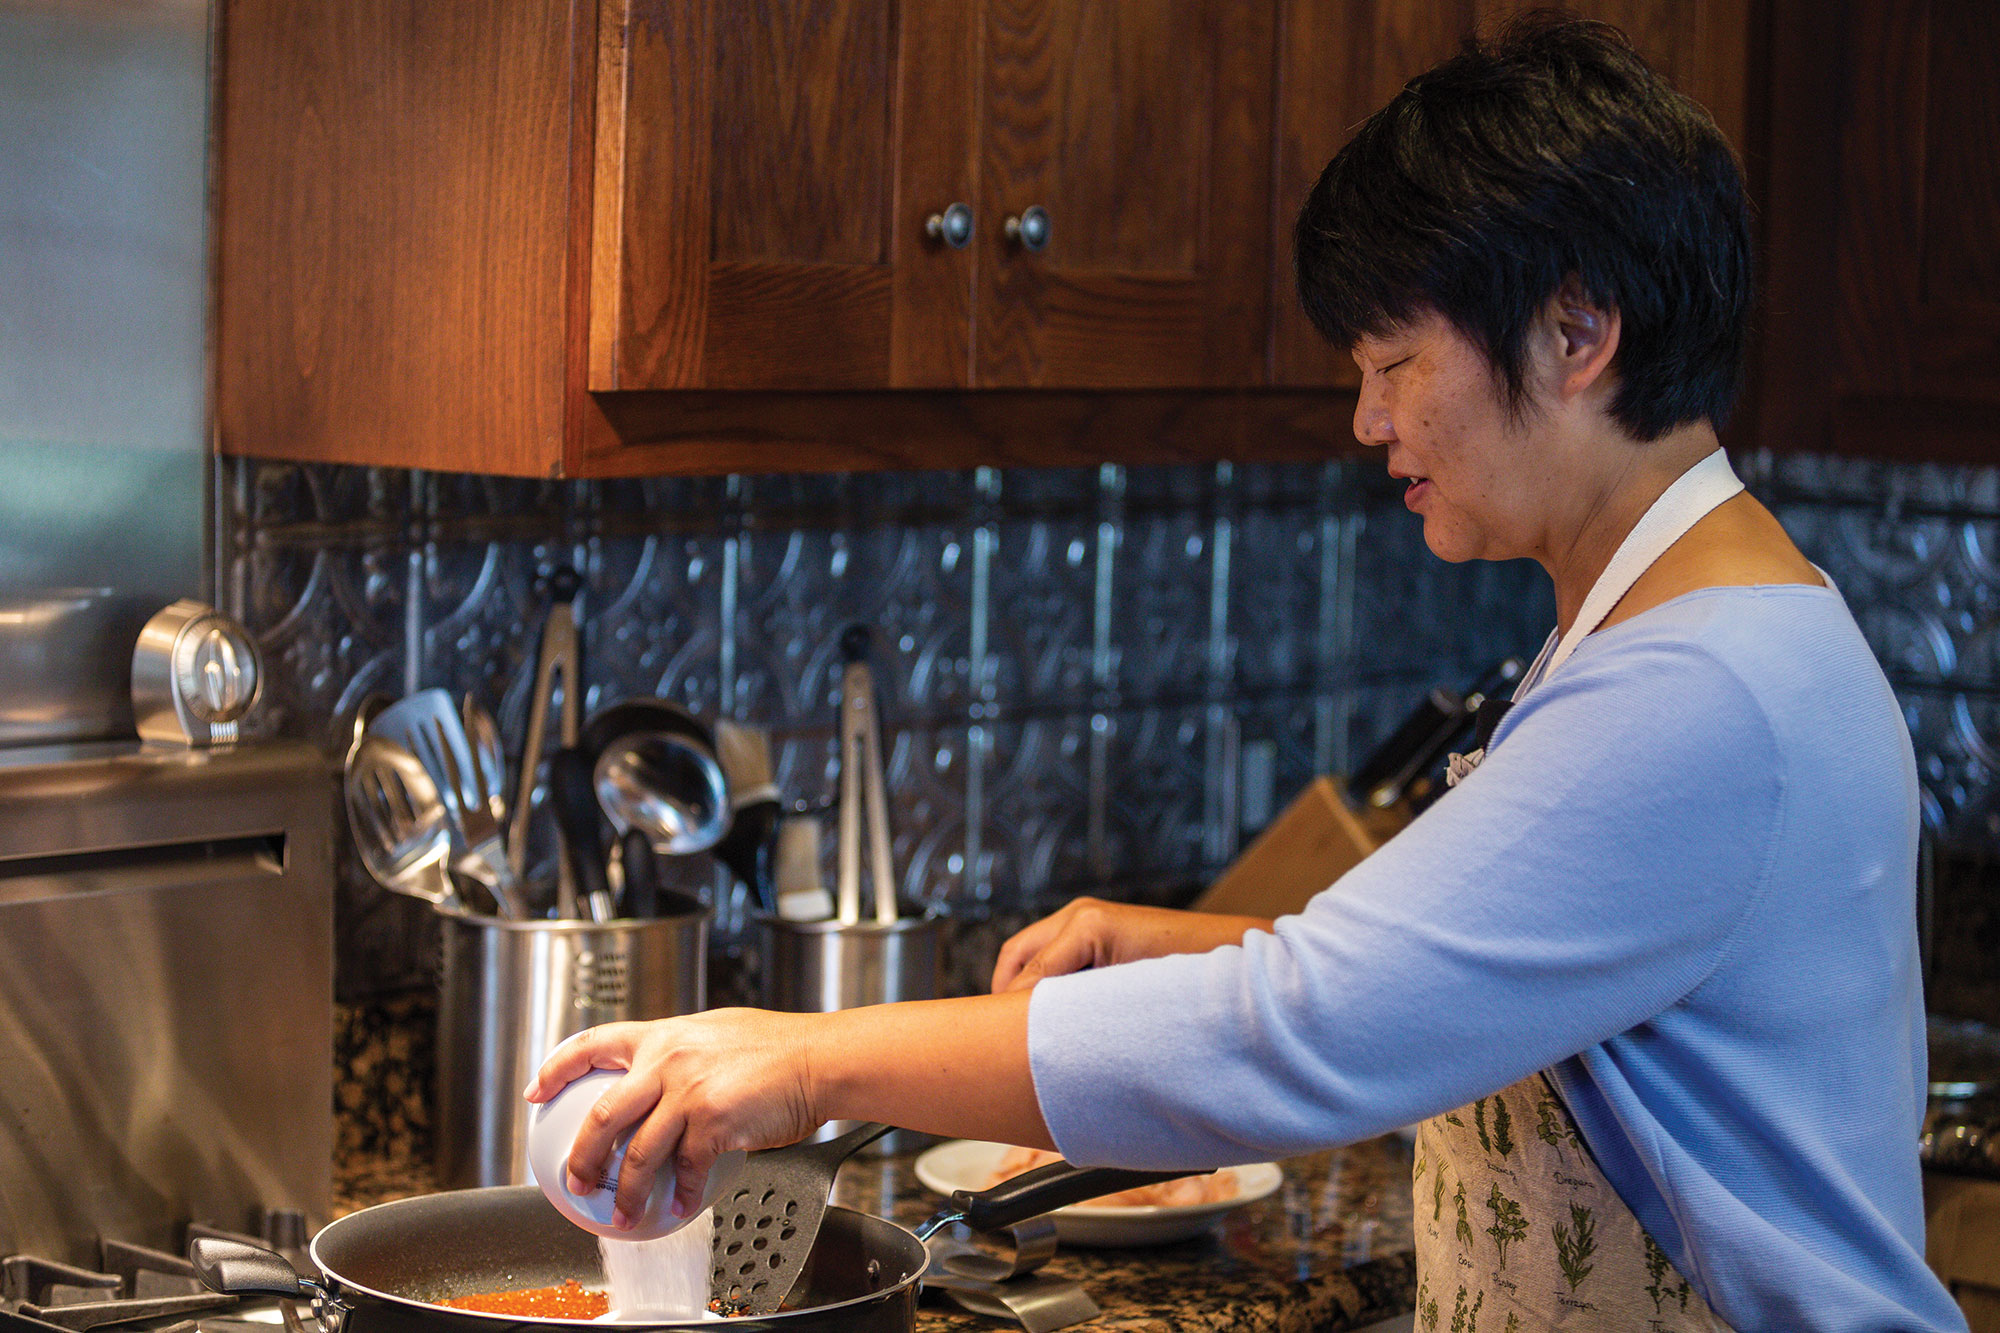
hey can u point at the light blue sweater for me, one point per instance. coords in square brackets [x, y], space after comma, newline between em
[1683, 880]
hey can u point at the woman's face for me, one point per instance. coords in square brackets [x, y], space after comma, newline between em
[1429, 397]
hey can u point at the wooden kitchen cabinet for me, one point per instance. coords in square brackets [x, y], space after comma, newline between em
[593, 237]
[1339, 60]
[765, 176]
[1917, 325]
[1882, 289]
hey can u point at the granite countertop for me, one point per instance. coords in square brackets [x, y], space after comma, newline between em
[1330, 1250]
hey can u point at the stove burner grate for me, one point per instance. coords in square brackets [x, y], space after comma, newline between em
[128, 1291]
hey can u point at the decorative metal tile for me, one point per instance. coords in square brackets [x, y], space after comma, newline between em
[1092, 678]
[1275, 600]
[1039, 630]
[1157, 796]
[1036, 831]
[800, 590]
[1161, 597]
[329, 622]
[653, 618]
[1276, 756]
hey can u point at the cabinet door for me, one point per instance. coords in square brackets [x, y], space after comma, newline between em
[1340, 60]
[1919, 290]
[1142, 129]
[764, 169]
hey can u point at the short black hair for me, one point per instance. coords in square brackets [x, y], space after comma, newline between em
[1551, 153]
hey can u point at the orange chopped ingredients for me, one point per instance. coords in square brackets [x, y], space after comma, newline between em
[568, 1301]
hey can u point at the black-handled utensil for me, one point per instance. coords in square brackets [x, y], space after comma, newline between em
[578, 820]
[1042, 1190]
[767, 1222]
[749, 850]
[640, 898]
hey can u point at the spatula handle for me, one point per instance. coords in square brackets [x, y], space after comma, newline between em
[1045, 1189]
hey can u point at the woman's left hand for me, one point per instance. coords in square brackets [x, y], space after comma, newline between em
[695, 1087]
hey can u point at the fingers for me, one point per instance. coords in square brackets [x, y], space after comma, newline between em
[1027, 942]
[657, 1146]
[607, 1047]
[1072, 950]
[630, 1100]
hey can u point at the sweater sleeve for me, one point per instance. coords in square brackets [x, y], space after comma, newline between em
[1590, 873]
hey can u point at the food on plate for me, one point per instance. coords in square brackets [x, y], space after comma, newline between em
[567, 1301]
[1185, 1192]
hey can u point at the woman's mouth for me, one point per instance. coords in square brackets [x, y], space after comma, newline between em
[1418, 488]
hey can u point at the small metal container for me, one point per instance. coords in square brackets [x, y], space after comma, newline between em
[816, 967]
[512, 990]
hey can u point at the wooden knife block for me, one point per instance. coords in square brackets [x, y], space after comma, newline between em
[1317, 839]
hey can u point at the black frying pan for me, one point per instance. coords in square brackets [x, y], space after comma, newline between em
[385, 1269]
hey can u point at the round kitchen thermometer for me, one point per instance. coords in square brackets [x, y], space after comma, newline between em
[195, 674]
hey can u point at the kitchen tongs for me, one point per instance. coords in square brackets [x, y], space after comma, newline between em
[862, 794]
[557, 656]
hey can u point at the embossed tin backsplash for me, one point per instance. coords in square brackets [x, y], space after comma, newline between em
[1093, 679]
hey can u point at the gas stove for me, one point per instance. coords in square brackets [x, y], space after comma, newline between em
[138, 1289]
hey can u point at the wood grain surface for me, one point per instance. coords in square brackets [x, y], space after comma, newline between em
[1143, 130]
[1339, 61]
[636, 434]
[391, 234]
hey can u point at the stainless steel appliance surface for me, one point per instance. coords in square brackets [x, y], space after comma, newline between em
[166, 992]
[103, 296]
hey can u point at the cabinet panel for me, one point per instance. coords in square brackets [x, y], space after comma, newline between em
[747, 213]
[1340, 60]
[1920, 304]
[802, 156]
[1143, 129]
[392, 230]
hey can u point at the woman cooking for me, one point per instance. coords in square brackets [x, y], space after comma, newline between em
[1648, 974]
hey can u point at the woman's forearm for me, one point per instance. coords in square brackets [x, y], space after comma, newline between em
[957, 1068]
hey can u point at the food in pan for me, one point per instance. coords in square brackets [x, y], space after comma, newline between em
[1211, 1188]
[568, 1301]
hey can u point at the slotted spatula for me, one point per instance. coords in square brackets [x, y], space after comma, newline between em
[765, 1226]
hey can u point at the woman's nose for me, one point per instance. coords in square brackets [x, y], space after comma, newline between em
[1371, 416]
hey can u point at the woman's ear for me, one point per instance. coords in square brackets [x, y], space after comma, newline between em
[1579, 342]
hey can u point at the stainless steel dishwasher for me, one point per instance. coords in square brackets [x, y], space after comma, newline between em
[166, 991]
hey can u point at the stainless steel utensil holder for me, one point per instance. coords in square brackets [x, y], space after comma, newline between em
[816, 967]
[511, 990]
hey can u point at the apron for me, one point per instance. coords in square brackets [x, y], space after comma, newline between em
[1517, 1229]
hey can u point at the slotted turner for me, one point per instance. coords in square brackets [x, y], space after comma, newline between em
[766, 1225]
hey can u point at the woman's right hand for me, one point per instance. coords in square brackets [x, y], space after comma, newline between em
[694, 1088]
[1090, 932]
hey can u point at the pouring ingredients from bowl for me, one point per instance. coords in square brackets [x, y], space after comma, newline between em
[1646, 976]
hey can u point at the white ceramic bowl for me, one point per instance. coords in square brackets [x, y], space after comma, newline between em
[552, 1128]
[969, 1164]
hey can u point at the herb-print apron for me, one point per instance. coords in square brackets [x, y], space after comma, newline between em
[1517, 1229]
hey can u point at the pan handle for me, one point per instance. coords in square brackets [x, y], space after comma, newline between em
[1042, 1190]
[237, 1268]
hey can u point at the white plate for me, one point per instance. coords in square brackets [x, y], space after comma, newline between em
[968, 1164]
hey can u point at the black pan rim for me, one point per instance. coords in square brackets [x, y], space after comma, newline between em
[339, 1285]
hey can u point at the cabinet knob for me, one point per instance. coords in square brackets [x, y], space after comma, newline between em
[1030, 230]
[953, 226]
